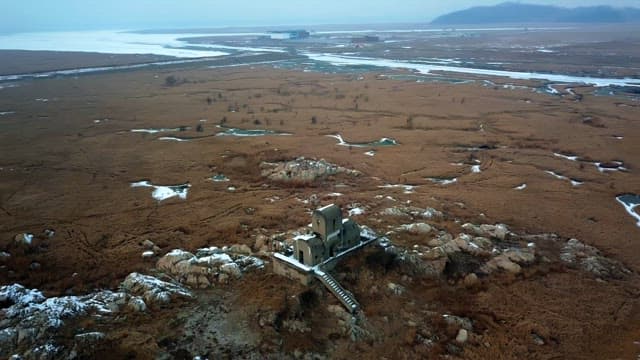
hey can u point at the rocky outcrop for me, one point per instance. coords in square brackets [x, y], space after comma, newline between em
[416, 228]
[588, 258]
[302, 170]
[31, 320]
[412, 211]
[209, 265]
[152, 290]
[482, 252]
[498, 231]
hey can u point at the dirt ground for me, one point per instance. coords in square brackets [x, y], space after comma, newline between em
[67, 164]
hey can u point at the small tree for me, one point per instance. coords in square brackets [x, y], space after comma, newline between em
[209, 100]
[410, 122]
[170, 80]
[314, 120]
[199, 128]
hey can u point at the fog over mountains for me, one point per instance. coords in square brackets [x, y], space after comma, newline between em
[528, 13]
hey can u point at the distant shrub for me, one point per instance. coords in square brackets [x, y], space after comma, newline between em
[170, 80]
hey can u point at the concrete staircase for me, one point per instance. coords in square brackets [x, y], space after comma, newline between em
[345, 297]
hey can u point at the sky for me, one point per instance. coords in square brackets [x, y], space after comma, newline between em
[66, 15]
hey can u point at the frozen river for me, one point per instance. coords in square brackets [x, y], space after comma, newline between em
[120, 42]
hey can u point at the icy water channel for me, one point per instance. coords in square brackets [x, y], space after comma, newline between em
[631, 203]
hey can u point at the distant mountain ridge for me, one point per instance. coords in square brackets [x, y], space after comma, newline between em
[528, 13]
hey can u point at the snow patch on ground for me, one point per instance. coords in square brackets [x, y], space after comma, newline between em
[172, 138]
[219, 178]
[443, 181]
[408, 189]
[382, 142]
[574, 182]
[164, 192]
[159, 130]
[521, 187]
[567, 157]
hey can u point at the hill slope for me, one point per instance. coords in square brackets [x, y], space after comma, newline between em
[527, 13]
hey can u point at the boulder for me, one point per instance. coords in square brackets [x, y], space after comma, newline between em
[501, 262]
[148, 244]
[8, 342]
[470, 280]
[462, 336]
[4, 257]
[240, 249]
[136, 304]
[498, 231]
[589, 259]
[416, 228]
[153, 290]
[208, 265]
[395, 288]
[90, 339]
[458, 322]
[521, 256]
[231, 269]
[170, 261]
[24, 239]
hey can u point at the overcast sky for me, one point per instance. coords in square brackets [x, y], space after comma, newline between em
[43, 15]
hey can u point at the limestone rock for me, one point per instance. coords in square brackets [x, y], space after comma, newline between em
[412, 211]
[240, 249]
[209, 265]
[433, 254]
[498, 231]
[148, 244]
[590, 259]
[413, 265]
[232, 269]
[24, 239]
[153, 290]
[459, 322]
[502, 262]
[136, 304]
[470, 280]
[462, 336]
[89, 339]
[395, 288]
[416, 228]
[302, 169]
[8, 342]
[521, 256]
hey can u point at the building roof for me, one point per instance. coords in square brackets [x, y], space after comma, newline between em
[329, 212]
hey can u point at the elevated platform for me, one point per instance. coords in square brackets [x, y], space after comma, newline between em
[290, 267]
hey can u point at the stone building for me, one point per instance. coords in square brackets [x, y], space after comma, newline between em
[331, 234]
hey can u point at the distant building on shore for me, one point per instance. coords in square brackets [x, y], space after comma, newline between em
[365, 39]
[289, 34]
